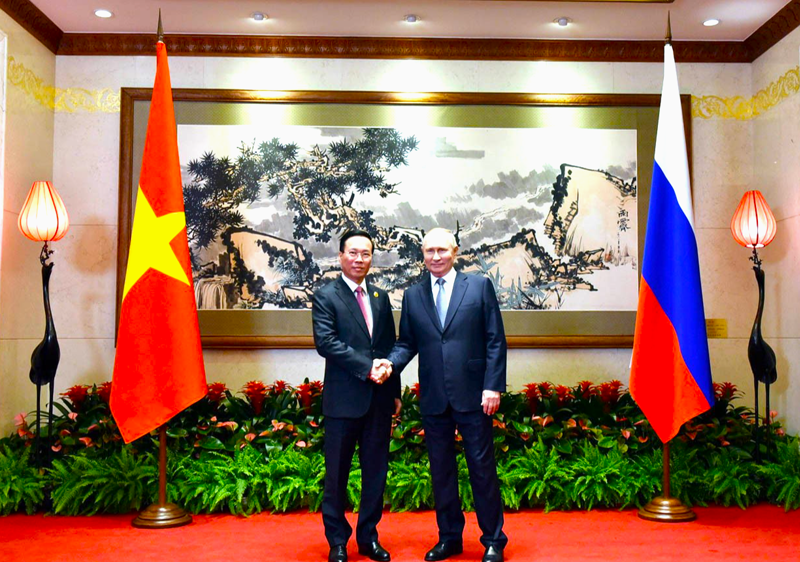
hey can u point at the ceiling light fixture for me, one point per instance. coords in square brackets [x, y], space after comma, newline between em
[711, 22]
[103, 13]
[562, 21]
[411, 18]
[260, 16]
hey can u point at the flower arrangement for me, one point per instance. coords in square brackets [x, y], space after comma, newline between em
[261, 448]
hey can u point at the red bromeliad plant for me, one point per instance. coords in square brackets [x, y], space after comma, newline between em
[77, 395]
[256, 393]
[104, 392]
[216, 392]
[279, 416]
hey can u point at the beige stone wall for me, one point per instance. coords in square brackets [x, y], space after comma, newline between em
[776, 165]
[28, 156]
[85, 168]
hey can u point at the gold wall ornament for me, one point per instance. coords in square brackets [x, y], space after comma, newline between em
[62, 100]
[743, 109]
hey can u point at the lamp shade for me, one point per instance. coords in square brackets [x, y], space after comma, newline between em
[753, 224]
[43, 217]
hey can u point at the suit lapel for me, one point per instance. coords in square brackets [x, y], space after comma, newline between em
[375, 305]
[427, 300]
[459, 289]
[349, 299]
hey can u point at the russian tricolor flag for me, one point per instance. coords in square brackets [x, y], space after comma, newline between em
[670, 368]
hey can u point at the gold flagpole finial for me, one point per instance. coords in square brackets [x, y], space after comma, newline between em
[160, 28]
[668, 38]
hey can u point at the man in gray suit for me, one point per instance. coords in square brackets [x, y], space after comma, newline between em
[453, 322]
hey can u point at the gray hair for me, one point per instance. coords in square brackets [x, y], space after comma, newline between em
[451, 239]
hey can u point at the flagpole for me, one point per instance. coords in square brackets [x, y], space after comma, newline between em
[162, 515]
[664, 508]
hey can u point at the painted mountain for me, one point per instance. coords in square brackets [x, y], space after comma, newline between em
[548, 214]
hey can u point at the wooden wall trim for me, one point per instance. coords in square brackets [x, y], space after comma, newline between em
[33, 20]
[776, 28]
[50, 35]
[401, 48]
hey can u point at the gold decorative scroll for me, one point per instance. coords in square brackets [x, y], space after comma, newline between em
[63, 100]
[743, 109]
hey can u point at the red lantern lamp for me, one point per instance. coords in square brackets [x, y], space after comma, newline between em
[43, 217]
[753, 224]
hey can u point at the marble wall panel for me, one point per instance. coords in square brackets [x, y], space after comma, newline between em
[777, 157]
[86, 166]
[721, 157]
[96, 73]
[728, 283]
[782, 272]
[82, 285]
[273, 74]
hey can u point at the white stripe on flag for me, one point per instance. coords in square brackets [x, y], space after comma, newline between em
[671, 141]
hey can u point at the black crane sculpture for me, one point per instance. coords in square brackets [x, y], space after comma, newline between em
[46, 355]
[760, 354]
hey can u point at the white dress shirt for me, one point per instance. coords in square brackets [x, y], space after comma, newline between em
[449, 281]
[352, 285]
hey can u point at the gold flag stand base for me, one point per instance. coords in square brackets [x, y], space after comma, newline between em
[162, 517]
[667, 510]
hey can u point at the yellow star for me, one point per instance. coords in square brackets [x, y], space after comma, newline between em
[150, 244]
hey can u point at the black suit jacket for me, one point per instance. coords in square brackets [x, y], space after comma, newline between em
[342, 338]
[457, 362]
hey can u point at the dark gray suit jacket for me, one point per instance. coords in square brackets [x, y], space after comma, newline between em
[342, 338]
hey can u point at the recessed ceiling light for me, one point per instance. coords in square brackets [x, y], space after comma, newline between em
[711, 22]
[562, 21]
[103, 13]
[260, 16]
[411, 18]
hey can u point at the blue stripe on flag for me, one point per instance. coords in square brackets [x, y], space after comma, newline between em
[672, 270]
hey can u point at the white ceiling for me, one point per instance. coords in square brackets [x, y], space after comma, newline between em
[438, 18]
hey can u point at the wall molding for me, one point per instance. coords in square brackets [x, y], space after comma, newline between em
[401, 48]
[34, 21]
[61, 100]
[129, 44]
[744, 109]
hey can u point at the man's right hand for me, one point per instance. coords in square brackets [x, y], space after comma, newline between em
[381, 370]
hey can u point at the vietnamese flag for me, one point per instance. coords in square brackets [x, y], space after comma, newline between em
[158, 369]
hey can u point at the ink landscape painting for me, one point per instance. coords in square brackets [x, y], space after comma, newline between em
[548, 214]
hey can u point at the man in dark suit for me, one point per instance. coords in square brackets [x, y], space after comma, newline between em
[353, 326]
[453, 321]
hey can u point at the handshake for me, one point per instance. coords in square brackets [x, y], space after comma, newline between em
[381, 370]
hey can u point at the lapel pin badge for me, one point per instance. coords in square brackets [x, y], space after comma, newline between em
[375, 294]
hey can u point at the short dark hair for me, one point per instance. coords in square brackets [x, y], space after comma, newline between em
[350, 233]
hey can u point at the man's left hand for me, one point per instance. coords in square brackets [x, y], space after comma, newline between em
[490, 402]
[398, 405]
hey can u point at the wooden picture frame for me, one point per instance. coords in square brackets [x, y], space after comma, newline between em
[292, 328]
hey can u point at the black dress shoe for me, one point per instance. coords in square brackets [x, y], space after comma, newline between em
[444, 550]
[493, 554]
[338, 553]
[374, 551]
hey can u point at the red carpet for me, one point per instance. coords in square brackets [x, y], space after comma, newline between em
[759, 533]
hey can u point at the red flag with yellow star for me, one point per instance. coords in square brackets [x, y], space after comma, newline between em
[158, 369]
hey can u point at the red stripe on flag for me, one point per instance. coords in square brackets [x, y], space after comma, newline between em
[661, 383]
